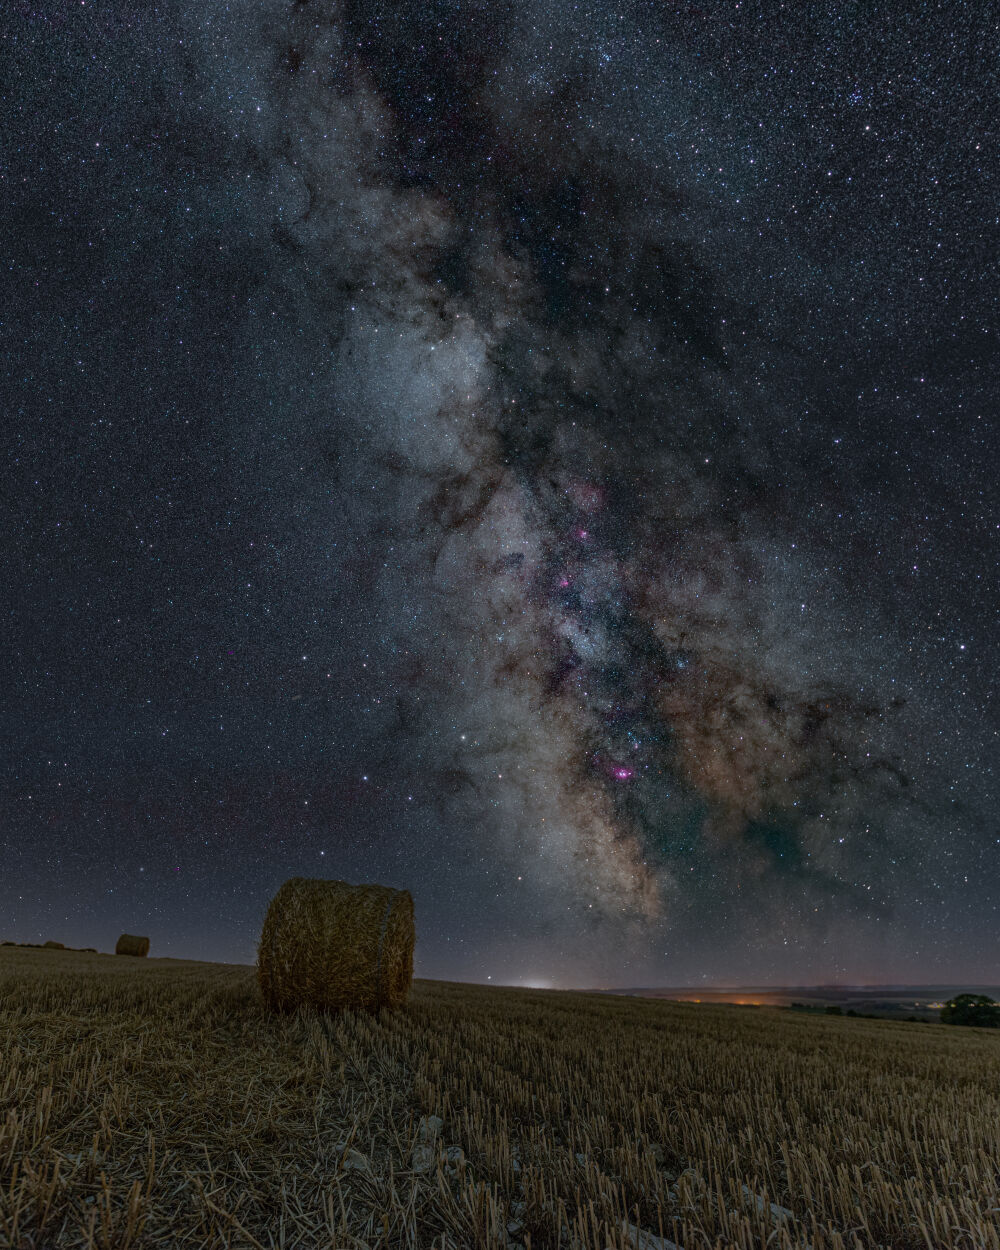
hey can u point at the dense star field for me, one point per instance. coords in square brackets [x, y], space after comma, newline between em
[541, 456]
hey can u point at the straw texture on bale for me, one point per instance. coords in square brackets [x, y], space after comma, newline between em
[331, 945]
[129, 944]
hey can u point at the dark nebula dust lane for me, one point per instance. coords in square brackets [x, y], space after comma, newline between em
[565, 433]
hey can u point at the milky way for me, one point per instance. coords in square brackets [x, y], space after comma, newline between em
[542, 364]
[581, 487]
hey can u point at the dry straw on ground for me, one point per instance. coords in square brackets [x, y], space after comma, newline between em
[129, 944]
[331, 945]
[155, 1105]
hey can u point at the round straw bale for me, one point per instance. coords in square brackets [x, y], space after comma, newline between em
[54, 946]
[328, 944]
[129, 944]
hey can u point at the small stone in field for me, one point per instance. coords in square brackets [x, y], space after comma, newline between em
[423, 1157]
[777, 1212]
[430, 1127]
[640, 1239]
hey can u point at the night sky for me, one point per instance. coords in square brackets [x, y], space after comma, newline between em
[541, 455]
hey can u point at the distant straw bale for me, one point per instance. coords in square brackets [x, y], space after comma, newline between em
[54, 946]
[331, 945]
[129, 944]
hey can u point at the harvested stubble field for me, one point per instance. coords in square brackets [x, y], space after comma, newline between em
[155, 1103]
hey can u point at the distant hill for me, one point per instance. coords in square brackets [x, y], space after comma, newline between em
[890, 1001]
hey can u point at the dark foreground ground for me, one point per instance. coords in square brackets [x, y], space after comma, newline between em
[155, 1103]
